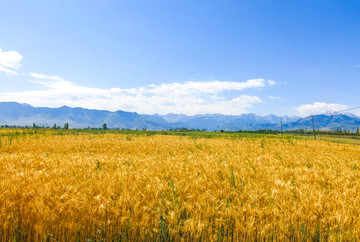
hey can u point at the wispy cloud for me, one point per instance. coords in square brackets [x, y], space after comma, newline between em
[10, 61]
[319, 107]
[8, 71]
[271, 82]
[275, 98]
[186, 98]
[45, 77]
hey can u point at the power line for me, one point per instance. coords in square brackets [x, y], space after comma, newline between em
[336, 111]
[349, 109]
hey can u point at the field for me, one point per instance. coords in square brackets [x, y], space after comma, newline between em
[104, 185]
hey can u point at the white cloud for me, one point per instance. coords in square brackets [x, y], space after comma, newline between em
[45, 77]
[275, 98]
[10, 61]
[271, 82]
[186, 98]
[204, 87]
[8, 71]
[319, 107]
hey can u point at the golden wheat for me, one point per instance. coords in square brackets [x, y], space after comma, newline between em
[137, 187]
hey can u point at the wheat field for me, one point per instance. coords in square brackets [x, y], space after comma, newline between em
[68, 186]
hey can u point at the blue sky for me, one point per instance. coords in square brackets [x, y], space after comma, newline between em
[182, 56]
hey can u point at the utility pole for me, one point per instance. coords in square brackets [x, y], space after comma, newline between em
[282, 133]
[312, 118]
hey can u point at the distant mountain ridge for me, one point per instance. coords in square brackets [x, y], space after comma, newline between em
[226, 122]
[336, 121]
[12, 113]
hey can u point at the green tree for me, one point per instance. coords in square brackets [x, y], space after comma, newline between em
[104, 126]
[357, 131]
[66, 125]
[54, 127]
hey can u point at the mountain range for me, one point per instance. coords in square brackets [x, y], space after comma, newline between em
[12, 113]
